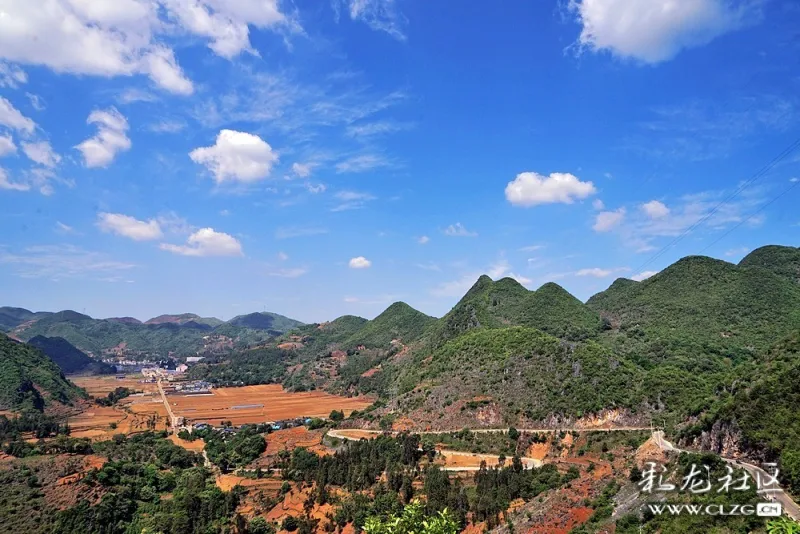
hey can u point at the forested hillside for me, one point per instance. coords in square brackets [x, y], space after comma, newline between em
[31, 380]
[181, 334]
[700, 308]
[68, 358]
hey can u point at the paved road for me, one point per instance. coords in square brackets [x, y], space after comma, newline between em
[773, 492]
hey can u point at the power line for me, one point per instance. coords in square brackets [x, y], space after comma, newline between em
[759, 210]
[750, 181]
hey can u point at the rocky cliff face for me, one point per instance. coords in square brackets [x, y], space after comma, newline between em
[724, 438]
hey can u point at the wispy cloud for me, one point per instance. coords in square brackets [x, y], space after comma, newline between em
[380, 15]
[371, 129]
[351, 200]
[288, 232]
[293, 272]
[361, 163]
[58, 262]
[458, 230]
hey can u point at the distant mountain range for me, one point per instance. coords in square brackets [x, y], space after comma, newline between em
[181, 334]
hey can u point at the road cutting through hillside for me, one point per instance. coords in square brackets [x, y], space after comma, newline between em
[773, 492]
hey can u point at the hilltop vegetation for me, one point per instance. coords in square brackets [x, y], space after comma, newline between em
[68, 358]
[265, 321]
[504, 303]
[399, 321]
[763, 404]
[783, 261]
[700, 308]
[31, 380]
[11, 318]
[528, 373]
[180, 334]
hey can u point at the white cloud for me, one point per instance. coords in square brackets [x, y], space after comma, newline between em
[359, 262]
[794, 180]
[430, 266]
[130, 227]
[236, 156]
[111, 138]
[363, 163]
[598, 204]
[11, 116]
[458, 230]
[294, 272]
[133, 94]
[608, 220]
[42, 153]
[7, 184]
[62, 261]
[380, 15]
[7, 145]
[299, 231]
[422, 240]
[740, 251]
[62, 228]
[12, 76]
[458, 287]
[303, 170]
[531, 248]
[167, 126]
[351, 200]
[282, 256]
[371, 129]
[315, 189]
[36, 101]
[644, 275]
[124, 37]
[206, 242]
[655, 209]
[652, 31]
[531, 189]
[597, 272]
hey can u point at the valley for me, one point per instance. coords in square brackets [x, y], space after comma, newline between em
[518, 410]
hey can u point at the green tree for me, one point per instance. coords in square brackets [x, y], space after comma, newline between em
[413, 521]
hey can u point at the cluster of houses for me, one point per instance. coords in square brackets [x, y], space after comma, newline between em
[274, 425]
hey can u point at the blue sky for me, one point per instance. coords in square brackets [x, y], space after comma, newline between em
[317, 159]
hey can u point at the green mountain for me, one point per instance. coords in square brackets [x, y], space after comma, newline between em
[398, 321]
[265, 321]
[190, 319]
[11, 318]
[320, 338]
[504, 303]
[68, 358]
[759, 410]
[701, 306]
[783, 261]
[179, 334]
[31, 380]
[528, 373]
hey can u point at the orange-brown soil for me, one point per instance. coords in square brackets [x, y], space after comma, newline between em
[275, 404]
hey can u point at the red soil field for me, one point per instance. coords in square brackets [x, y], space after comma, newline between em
[277, 404]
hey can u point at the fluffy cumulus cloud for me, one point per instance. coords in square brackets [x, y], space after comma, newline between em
[423, 240]
[42, 153]
[655, 30]
[111, 138]
[206, 242]
[130, 227]
[359, 262]
[126, 37]
[236, 157]
[458, 230]
[608, 220]
[11, 117]
[655, 209]
[531, 189]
